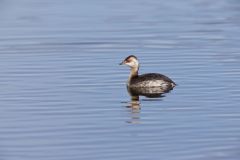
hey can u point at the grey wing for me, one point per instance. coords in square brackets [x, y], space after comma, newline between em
[152, 80]
[155, 76]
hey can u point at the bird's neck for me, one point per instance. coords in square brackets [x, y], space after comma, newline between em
[133, 73]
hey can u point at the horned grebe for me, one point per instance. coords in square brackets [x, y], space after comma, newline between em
[146, 80]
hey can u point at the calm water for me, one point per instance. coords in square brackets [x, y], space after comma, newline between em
[63, 94]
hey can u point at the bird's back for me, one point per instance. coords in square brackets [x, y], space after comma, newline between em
[152, 80]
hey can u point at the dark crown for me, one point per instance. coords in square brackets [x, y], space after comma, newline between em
[131, 56]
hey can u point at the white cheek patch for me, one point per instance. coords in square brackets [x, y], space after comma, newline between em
[131, 64]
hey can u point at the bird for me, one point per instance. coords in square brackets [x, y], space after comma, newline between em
[148, 80]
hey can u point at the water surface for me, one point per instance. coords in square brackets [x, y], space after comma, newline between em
[63, 95]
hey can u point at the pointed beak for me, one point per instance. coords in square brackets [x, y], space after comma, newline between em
[122, 63]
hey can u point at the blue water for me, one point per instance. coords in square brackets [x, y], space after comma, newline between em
[63, 94]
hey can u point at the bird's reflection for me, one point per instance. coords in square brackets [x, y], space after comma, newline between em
[134, 109]
[134, 105]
